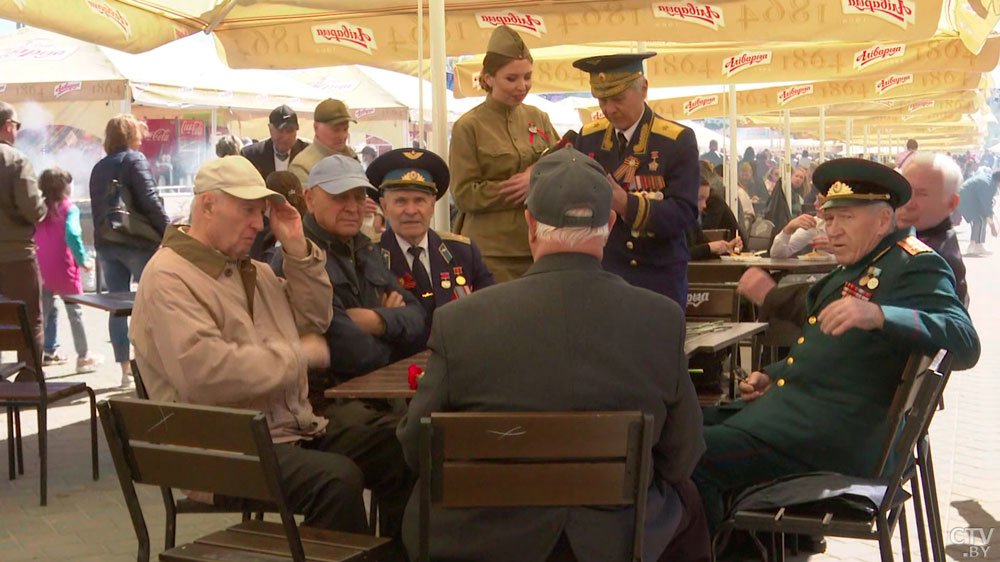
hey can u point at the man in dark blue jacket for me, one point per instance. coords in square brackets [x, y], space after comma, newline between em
[437, 267]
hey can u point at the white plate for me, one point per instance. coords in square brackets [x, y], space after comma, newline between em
[821, 257]
[742, 258]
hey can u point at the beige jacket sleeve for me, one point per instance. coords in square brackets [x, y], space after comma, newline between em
[201, 364]
[473, 193]
[309, 291]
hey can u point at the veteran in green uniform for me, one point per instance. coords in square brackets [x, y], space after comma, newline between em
[824, 407]
[493, 147]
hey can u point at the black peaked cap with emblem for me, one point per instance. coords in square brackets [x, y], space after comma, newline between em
[856, 181]
[410, 168]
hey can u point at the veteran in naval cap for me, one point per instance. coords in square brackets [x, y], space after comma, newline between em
[825, 406]
[654, 163]
[437, 267]
[493, 147]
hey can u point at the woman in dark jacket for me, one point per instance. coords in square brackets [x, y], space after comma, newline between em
[123, 259]
[714, 214]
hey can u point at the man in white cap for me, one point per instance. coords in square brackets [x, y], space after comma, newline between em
[211, 326]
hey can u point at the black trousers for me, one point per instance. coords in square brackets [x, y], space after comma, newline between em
[324, 479]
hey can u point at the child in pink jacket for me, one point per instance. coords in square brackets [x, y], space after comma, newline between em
[61, 256]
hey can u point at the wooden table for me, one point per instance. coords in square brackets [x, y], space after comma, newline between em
[118, 304]
[391, 381]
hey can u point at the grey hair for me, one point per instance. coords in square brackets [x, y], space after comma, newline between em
[572, 235]
[7, 111]
[951, 173]
[228, 145]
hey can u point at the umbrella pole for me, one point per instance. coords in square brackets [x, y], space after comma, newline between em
[439, 109]
[732, 195]
[850, 136]
[822, 134]
[420, 73]
[786, 169]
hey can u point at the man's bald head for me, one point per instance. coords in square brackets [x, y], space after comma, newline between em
[935, 179]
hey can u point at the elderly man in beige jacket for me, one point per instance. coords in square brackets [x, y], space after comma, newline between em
[210, 326]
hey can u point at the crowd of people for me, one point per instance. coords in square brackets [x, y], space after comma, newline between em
[562, 287]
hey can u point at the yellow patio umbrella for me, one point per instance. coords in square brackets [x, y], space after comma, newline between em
[891, 66]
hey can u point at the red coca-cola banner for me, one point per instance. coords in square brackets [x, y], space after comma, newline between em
[161, 139]
[192, 130]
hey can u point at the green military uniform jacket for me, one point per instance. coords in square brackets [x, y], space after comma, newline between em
[304, 161]
[829, 399]
[489, 144]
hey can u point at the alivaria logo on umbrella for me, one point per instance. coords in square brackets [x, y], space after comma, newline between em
[66, 87]
[697, 299]
[898, 12]
[893, 81]
[346, 34]
[593, 116]
[879, 53]
[114, 14]
[746, 59]
[702, 14]
[3, 88]
[793, 92]
[359, 113]
[918, 105]
[37, 50]
[532, 25]
[701, 102]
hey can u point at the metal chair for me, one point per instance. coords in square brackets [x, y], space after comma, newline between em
[219, 450]
[472, 460]
[15, 335]
[712, 302]
[873, 516]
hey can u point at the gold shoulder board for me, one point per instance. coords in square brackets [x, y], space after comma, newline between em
[454, 237]
[667, 128]
[913, 246]
[595, 126]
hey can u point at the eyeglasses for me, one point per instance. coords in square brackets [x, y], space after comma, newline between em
[17, 124]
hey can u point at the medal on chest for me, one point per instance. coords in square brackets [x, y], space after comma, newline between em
[625, 174]
[532, 131]
[445, 280]
[653, 164]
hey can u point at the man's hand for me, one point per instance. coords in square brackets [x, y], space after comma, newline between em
[721, 247]
[316, 351]
[821, 243]
[367, 320]
[850, 312]
[619, 198]
[286, 224]
[804, 222]
[392, 300]
[754, 386]
[371, 207]
[515, 188]
[755, 284]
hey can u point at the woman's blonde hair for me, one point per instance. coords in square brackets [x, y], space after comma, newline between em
[122, 131]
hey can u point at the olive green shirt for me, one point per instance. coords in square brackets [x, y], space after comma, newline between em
[304, 161]
[489, 144]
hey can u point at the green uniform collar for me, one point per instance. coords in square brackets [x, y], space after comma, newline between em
[498, 106]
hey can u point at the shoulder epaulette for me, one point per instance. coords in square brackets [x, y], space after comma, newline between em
[595, 126]
[667, 128]
[454, 237]
[913, 246]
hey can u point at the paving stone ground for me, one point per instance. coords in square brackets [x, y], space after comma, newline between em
[87, 520]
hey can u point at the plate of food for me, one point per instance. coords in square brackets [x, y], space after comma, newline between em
[748, 256]
[816, 256]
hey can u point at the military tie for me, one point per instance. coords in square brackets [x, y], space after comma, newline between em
[622, 143]
[281, 156]
[422, 279]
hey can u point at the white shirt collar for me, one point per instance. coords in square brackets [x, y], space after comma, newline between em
[631, 130]
[424, 256]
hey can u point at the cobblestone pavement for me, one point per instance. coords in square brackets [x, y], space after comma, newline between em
[87, 520]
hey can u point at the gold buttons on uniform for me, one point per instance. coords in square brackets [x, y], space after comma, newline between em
[781, 382]
[801, 340]
[790, 360]
[629, 245]
[812, 319]
[633, 263]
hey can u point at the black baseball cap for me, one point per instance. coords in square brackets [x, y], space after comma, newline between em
[284, 117]
[568, 180]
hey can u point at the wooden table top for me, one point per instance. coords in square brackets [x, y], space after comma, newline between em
[790, 265]
[118, 304]
[391, 381]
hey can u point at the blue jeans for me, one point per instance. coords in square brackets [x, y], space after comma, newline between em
[50, 316]
[121, 265]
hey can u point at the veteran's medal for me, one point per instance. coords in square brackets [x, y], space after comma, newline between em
[872, 284]
[653, 164]
[459, 278]
[445, 280]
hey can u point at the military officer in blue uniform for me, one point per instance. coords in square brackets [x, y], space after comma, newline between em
[654, 162]
[437, 267]
[825, 406]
